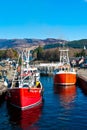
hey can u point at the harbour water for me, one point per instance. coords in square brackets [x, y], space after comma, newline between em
[63, 108]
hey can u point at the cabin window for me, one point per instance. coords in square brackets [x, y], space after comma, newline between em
[25, 86]
[27, 79]
[66, 69]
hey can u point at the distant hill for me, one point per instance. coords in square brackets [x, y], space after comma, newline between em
[47, 43]
[14, 43]
[73, 44]
[78, 43]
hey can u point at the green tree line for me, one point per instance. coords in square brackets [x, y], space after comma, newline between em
[9, 53]
[53, 54]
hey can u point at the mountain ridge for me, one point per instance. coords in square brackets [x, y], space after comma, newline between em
[14, 43]
[27, 42]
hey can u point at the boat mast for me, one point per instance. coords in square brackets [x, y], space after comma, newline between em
[64, 58]
[15, 70]
[20, 82]
[27, 59]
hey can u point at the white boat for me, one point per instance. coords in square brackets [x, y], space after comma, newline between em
[64, 73]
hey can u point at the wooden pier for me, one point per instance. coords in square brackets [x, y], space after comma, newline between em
[82, 79]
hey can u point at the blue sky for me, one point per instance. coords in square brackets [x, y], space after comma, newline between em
[64, 19]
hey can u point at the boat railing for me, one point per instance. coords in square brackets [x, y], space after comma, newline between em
[25, 83]
[64, 69]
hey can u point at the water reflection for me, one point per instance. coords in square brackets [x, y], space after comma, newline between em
[26, 118]
[2, 98]
[66, 94]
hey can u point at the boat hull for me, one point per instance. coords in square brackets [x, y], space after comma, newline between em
[65, 78]
[26, 118]
[24, 98]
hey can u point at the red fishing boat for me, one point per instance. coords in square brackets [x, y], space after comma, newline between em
[26, 90]
[64, 74]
